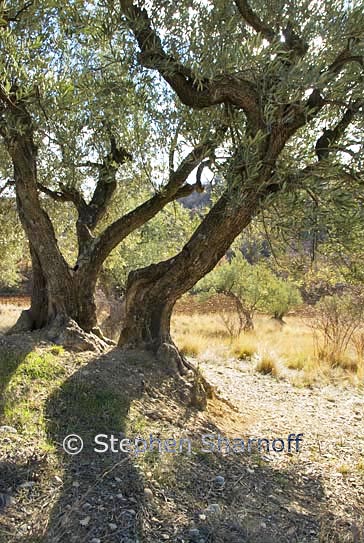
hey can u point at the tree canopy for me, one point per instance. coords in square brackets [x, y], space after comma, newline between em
[126, 101]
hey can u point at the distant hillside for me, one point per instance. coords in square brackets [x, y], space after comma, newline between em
[197, 200]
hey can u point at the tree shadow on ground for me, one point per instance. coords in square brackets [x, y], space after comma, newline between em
[104, 498]
[152, 497]
[14, 469]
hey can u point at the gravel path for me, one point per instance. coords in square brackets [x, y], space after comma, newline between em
[331, 419]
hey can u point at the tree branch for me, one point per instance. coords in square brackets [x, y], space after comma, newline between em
[6, 99]
[93, 212]
[174, 189]
[331, 136]
[293, 42]
[58, 196]
[5, 15]
[65, 194]
[254, 21]
[344, 57]
[204, 164]
[227, 88]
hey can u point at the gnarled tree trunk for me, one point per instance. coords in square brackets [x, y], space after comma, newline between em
[60, 293]
[65, 298]
[152, 291]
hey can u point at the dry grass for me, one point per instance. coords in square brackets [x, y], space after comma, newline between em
[199, 334]
[9, 314]
[267, 365]
[295, 346]
[245, 346]
[290, 349]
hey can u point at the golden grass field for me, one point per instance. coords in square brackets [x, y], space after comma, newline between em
[291, 350]
[288, 351]
[10, 309]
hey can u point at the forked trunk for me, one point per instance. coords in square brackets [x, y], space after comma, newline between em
[67, 296]
[59, 294]
[38, 312]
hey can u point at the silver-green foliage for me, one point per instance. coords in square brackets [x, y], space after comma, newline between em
[255, 287]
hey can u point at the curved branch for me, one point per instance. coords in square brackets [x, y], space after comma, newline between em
[344, 57]
[227, 88]
[106, 185]
[175, 188]
[58, 196]
[254, 21]
[331, 136]
[293, 42]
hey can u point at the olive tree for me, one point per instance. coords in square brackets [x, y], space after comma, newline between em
[252, 288]
[289, 79]
[80, 127]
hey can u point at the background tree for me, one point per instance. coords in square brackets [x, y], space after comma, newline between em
[252, 287]
[78, 127]
[13, 249]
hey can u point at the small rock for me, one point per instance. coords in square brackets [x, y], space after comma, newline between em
[165, 537]
[8, 429]
[95, 540]
[148, 493]
[85, 521]
[263, 525]
[113, 526]
[27, 484]
[213, 508]
[202, 516]
[194, 534]
[5, 500]
[219, 480]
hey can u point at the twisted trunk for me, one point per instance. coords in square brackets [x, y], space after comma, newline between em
[66, 297]
[58, 292]
[38, 312]
[152, 291]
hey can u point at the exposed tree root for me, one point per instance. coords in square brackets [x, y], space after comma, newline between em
[66, 332]
[97, 332]
[200, 389]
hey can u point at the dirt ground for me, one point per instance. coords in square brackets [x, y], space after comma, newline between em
[315, 495]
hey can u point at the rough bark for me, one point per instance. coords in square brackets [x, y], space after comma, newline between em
[152, 292]
[61, 293]
[38, 312]
[58, 293]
